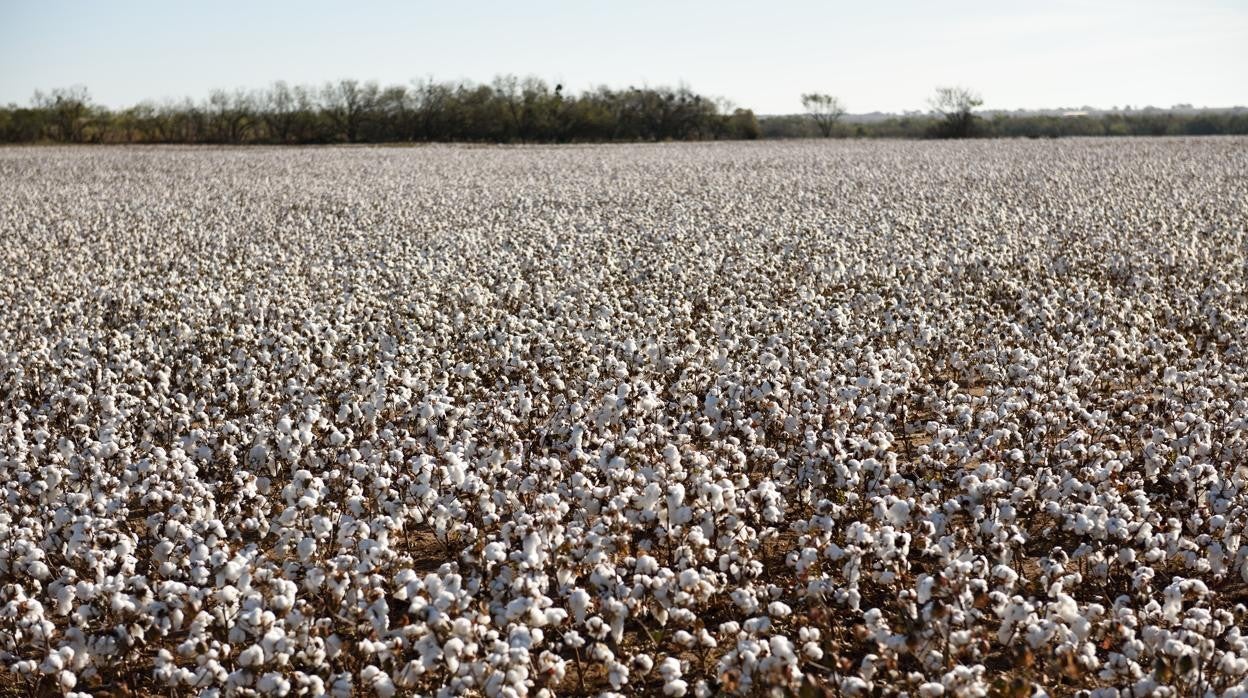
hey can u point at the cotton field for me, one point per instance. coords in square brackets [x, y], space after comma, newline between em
[843, 418]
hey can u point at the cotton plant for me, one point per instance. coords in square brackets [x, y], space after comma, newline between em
[683, 419]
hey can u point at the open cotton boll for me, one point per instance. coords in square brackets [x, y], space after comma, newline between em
[253, 656]
[273, 684]
[897, 511]
[495, 552]
[924, 591]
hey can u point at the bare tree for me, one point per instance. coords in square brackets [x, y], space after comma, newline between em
[281, 110]
[230, 115]
[395, 106]
[957, 106]
[348, 103]
[510, 93]
[824, 110]
[431, 104]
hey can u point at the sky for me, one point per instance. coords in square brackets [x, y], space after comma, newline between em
[876, 56]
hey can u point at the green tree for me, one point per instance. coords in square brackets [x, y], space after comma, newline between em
[69, 109]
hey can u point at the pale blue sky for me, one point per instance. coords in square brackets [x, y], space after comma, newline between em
[885, 56]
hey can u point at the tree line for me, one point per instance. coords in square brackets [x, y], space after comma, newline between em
[952, 115]
[511, 109]
[507, 110]
[919, 126]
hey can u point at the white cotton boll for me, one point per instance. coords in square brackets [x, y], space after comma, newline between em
[677, 513]
[456, 469]
[924, 588]
[1037, 635]
[273, 684]
[253, 656]
[38, 570]
[383, 686]
[711, 405]
[495, 552]
[671, 455]
[647, 565]
[573, 639]
[617, 674]
[1066, 608]
[306, 548]
[715, 497]
[782, 647]
[898, 512]
[53, 663]
[531, 553]
[643, 663]
[675, 687]
[66, 680]
[451, 652]
[779, 609]
[313, 579]
[231, 571]
[1233, 666]
[931, 690]
[1008, 576]
[23, 668]
[578, 601]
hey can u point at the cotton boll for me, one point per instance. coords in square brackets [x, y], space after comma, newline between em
[273, 684]
[643, 663]
[306, 548]
[779, 609]
[38, 570]
[617, 674]
[495, 552]
[897, 512]
[579, 602]
[671, 455]
[251, 657]
[669, 669]
[926, 584]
